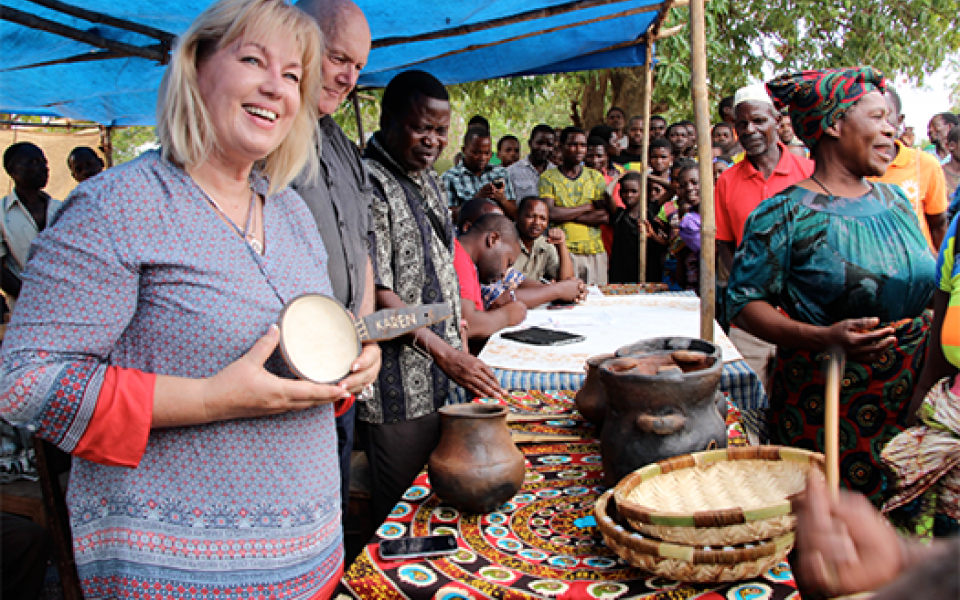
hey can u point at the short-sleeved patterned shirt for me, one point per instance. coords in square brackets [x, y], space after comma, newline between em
[588, 187]
[823, 259]
[525, 178]
[461, 185]
[138, 271]
[413, 260]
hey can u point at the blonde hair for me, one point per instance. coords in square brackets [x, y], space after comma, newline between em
[186, 131]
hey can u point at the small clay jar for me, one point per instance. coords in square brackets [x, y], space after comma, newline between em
[590, 399]
[476, 467]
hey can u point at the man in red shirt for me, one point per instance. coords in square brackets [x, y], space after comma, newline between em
[767, 169]
[482, 255]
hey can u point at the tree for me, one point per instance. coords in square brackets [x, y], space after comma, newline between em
[749, 38]
[131, 142]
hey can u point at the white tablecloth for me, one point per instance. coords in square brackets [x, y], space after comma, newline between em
[607, 322]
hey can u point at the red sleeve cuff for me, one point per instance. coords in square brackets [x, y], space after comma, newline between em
[340, 407]
[117, 433]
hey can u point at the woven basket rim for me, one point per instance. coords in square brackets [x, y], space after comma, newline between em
[709, 518]
[692, 554]
[649, 546]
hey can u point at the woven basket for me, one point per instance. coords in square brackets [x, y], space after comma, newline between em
[717, 497]
[689, 563]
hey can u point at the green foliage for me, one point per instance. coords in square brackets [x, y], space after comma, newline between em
[130, 142]
[513, 105]
[749, 38]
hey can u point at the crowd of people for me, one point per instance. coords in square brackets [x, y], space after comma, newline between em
[143, 340]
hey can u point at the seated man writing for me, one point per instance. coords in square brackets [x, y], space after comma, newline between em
[531, 290]
[482, 255]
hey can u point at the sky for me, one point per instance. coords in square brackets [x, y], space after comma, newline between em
[921, 103]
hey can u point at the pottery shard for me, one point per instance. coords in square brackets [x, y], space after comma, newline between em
[692, 360]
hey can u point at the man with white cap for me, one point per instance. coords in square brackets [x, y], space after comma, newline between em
[767, 169]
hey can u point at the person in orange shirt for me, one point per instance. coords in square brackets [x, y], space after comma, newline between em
[767, 169]
[920, 177]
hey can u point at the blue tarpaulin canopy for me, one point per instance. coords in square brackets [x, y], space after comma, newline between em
[101, 61]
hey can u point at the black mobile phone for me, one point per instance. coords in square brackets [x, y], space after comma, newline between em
[540, 336]
[498, 183]
[417, 547]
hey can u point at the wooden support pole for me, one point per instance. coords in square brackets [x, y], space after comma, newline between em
[647, 100]
[708, 229]
[106, 144]
[355, 99]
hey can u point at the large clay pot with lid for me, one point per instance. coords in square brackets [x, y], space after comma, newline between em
[476, 467]
[662, 401]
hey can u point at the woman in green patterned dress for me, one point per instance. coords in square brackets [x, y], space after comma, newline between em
[836, 261]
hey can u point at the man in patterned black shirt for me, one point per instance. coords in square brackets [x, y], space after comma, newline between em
[413, 257]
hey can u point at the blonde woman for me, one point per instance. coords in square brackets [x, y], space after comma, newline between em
[143, 341]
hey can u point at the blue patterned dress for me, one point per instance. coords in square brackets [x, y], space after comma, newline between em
[822, 260]
[139, 272]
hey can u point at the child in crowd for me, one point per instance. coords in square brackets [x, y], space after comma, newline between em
[661, 157]
[598, 160]
[691, 139]
[670, 215]
[609, 136]
[679, 137]
[688, 255]
[508, 150]
[720, 164]
[624, 220]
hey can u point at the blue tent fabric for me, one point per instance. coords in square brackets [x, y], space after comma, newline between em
[561, 36]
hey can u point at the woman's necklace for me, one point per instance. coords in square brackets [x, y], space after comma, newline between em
[249, 232]
[817, 181]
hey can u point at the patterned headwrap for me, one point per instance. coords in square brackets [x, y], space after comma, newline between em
[816, 99]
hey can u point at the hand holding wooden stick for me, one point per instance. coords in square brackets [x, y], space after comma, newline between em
[831, 437]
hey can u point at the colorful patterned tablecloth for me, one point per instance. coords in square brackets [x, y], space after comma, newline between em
[543, 543]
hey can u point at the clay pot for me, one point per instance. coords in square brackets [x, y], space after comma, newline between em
[476, 467]
[590, 399]
[661, 402]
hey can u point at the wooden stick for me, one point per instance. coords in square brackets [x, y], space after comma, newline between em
[647, 99]
[27, 20]
[96, 17]
[708, 230]
[831, 434]
[474, 47]
[531, 15]
[653, 33]
[106, 144]
[69, 60]
[669, 32]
